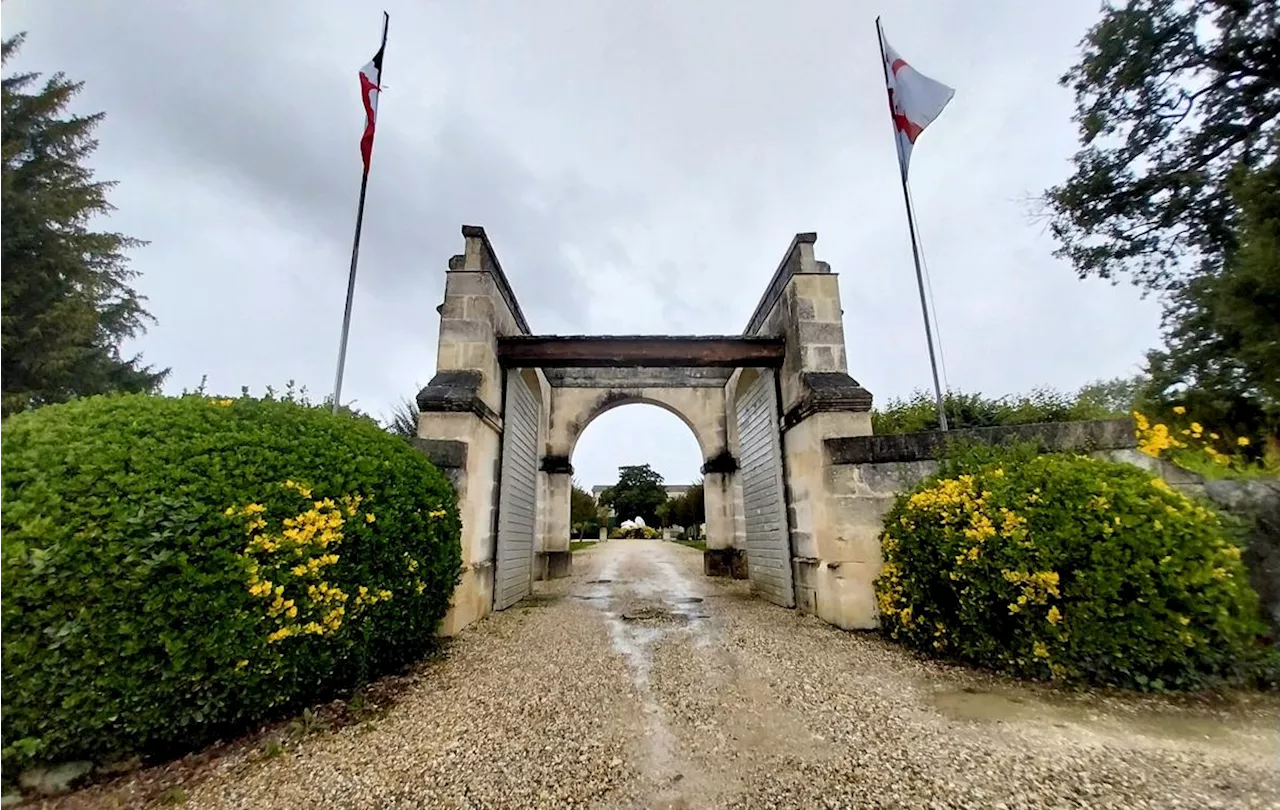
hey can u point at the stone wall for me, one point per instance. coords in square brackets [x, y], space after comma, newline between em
[868, 472]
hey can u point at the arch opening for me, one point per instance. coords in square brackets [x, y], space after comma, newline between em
[656, 436]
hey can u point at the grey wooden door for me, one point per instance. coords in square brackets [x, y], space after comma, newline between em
[768, 544]
[517, 494]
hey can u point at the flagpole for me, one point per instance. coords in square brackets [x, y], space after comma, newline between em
[915, 245]
[355, 251]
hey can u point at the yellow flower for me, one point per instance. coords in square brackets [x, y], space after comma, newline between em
[1055, 615]
[242, 663]
[300, 570]
[1040, 650]
[1179, 410]
[369, 518]
[439, 513]
[282, 633]
[1243, 441]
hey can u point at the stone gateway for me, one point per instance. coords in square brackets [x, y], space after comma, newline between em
[506, 407]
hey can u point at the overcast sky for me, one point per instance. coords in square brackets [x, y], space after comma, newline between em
[639, 166]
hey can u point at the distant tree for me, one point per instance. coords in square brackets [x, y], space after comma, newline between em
[584, 514]
[687, 509]
[404, 419]
[1117, 396]
[64, 293]
[638, 493]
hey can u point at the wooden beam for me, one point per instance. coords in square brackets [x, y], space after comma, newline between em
[639, 351]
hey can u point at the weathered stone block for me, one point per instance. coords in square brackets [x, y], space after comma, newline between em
[724, 562]
[472, 599]
[552, 565]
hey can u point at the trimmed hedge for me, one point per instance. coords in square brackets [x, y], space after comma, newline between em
[175, 569]
[1068, 567]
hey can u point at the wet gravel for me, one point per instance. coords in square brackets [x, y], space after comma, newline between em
[638, 683]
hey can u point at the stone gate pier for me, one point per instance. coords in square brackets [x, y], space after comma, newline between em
[504, 411]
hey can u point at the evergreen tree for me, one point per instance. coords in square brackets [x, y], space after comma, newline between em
[64, 292]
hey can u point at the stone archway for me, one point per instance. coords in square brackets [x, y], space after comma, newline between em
[696, 396]
[791, 357]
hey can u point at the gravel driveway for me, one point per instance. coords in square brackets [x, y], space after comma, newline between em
[638, 683]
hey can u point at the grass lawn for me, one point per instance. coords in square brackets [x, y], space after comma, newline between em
[575, 545]
[694, 544]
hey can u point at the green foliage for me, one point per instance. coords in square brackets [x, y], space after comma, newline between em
[638, 493]
[1067, 567]
[1223, 328]
[1177, 185]
[688, 509]
[584, 514]
[177, 568]
[1115, 397]
[920, 413]
[1170, 98]
[65, 290]
[404, 419]
[1211, 453]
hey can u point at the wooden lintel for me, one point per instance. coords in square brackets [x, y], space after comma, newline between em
[639, 351]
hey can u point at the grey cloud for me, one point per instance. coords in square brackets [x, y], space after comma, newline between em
[639, 167]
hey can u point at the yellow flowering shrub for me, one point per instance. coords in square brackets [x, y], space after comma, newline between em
[1191, 445]
[179, 568]
[1067, 567]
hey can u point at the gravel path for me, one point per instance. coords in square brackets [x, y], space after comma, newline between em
[638, 683]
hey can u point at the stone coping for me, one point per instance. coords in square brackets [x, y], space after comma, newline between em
[789, 266]
[1101, 434]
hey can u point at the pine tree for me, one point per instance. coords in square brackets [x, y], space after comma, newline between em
[65, 301]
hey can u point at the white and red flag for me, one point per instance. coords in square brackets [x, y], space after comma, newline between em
[914, 101]
[370, 87]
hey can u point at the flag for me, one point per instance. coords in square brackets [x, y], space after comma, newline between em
[370, 87]
[914, 101]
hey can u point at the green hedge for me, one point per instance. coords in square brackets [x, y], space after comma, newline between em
[177, 568]
[1069, 567]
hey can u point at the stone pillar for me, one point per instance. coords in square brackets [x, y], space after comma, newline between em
[721, 493]
[462, 405]
[833, 572]
[553, 559]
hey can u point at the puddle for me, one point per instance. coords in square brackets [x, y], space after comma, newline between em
[654, 615]
[1117, 716]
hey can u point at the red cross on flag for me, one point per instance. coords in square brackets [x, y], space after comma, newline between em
[914, 101]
